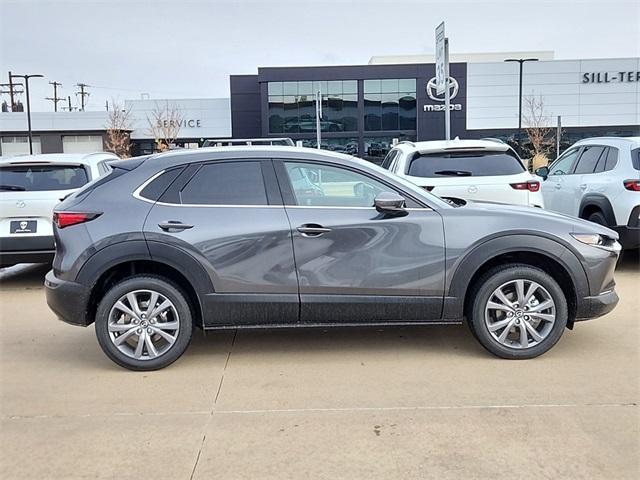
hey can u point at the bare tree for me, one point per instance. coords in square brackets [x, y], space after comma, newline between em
[539, 130]
[165, 122]
[119, 126]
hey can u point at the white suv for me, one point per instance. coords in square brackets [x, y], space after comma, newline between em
[598, 179]
[30, 186]
[485, 170]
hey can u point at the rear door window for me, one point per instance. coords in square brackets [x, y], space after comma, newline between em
[226, 183]
[589, 159]
[464, 164]
[38, 178]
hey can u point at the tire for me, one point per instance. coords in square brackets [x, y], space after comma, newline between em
[599, 218]
[548, 323]
[174, 321]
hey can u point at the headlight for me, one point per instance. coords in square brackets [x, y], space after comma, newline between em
[597, 240]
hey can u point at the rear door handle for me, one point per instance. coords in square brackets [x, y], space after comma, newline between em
[312, 230]
[558, 186]
[174, 225]
[583, 186]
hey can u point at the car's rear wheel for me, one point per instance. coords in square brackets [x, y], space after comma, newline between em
[144, 323]
[518, 311]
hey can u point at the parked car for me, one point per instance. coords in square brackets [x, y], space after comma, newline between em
[228, 238]
[30, 186]
[598, 179]
[487, 170]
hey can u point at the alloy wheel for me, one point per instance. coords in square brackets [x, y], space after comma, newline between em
[143, 324]
[520, 314]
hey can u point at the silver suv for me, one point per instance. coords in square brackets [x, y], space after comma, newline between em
[598, 179]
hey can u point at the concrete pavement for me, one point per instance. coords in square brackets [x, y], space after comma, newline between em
[413, 402]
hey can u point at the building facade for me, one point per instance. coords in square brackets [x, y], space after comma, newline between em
[83, 132]
[367, 107]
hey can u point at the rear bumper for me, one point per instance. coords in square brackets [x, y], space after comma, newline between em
[68, 300]
[597, 305]
[16, 249]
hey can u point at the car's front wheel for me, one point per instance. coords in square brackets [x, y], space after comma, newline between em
[144, 323]
[518, 311]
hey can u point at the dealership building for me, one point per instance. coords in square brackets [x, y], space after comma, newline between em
[367, 107]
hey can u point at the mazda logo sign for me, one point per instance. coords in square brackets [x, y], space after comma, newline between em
[20, 204]
[452, 85]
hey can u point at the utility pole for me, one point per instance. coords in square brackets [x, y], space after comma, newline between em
[82, 94]
[13, 91]
[55, 99]
[26, 83]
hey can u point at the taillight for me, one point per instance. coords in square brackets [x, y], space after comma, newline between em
[531, 185]
[66, 219]
[428, 189]
[633, 185]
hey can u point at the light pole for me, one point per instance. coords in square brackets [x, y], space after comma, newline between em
[26, 88]
[521, 61]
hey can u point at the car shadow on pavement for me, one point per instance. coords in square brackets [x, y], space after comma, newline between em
[345, 340]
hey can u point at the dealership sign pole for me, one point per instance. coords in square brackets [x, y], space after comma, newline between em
[442, 76]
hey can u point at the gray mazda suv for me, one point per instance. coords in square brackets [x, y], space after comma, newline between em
[245, 237]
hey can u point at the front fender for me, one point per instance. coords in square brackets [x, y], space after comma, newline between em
[464, 267]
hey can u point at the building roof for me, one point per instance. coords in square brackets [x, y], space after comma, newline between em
[462, 57]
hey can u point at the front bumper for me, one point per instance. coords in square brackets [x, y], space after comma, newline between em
[68, 300]
[34, 249]
[597, 305]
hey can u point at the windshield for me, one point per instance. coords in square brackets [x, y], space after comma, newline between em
[464, 164]
[37, 178]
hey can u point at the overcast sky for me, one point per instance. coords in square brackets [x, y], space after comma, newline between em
[176, 49]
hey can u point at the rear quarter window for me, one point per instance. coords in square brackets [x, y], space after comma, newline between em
[453, 164]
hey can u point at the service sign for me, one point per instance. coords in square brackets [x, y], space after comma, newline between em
[441, 75]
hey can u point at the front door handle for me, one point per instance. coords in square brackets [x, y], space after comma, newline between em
[312, 230]
[174, 225]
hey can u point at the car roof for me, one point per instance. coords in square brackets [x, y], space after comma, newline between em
[247, 152]
[435, 146]
[60, 158]
[618, 141]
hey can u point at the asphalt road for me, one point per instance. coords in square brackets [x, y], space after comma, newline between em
[392, 403]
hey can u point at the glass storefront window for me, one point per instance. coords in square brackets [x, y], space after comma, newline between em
[294, 110]
[346, 145]
[376, 148]
[390, 104]
[274, 88]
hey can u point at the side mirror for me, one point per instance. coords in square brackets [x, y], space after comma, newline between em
[542, 172]
[390, 203]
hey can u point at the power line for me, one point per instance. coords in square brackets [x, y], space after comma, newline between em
[82, 94]
[55, 99]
